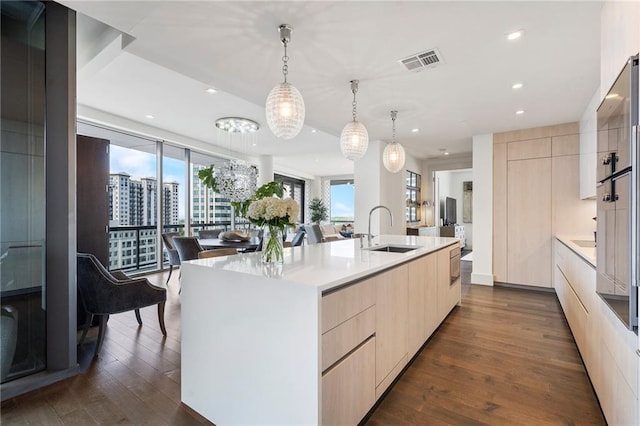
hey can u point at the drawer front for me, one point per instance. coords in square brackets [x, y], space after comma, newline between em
[348, 389]
[338, 341]
[339, 306]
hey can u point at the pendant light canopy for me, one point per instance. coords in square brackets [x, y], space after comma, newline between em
[285, 107]
[393, 156]
[354, 138]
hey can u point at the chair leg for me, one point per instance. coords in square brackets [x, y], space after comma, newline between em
[169, 277]
[85, 329]
[102, 327]
[138, 316]
[161, 318]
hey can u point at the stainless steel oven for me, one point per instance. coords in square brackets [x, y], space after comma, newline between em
[617, 196]
[454, 264]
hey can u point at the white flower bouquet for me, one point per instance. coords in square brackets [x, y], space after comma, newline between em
[273, 214]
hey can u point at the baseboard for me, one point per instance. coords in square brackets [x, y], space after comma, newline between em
[482, 279]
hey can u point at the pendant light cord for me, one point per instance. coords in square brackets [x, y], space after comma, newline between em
[393, 120]
[285, 60]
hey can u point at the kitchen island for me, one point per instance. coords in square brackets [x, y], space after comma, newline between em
[316, 340]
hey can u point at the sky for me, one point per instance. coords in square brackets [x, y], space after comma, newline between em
[342, 200]
[140, 164]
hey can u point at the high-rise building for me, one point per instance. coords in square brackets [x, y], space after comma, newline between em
[206, 205]
[133, 203]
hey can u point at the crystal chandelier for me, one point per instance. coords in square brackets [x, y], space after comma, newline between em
[285, 107]
[393, 155]
[354, 138]
[237, 179]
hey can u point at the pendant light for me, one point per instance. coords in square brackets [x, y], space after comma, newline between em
[393, 155]
[354, 138]
[285, 107]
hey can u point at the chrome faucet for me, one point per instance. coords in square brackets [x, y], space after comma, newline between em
[370, 212]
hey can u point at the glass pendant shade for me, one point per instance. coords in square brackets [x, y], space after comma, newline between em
[354, 140]
[393, 157]
[285, 111]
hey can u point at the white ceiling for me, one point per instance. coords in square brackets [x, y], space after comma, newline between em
[173, 51]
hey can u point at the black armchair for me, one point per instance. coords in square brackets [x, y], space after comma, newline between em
[104, 293]
[172, 253]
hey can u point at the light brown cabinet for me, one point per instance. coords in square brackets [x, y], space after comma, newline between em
[536, 193]
[423, 298]
[392, 299]
[348, 389]
[372, 328]
[529, 222]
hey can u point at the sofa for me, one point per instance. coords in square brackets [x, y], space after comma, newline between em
[335, 232]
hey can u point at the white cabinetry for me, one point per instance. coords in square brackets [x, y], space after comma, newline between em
[606, 346]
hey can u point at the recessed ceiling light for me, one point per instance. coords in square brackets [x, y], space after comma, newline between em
[211, 90]
[517, 86]
[444, 151]
[515, 35]
[313, 130]
[416, 130]
[612, 96]
[149, 116]
[519, 112]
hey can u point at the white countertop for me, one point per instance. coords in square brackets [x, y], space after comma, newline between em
[331, 264]
[587, 253]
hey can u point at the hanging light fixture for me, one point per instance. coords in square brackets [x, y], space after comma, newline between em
[393, 155]
[354, 138]
[285, 107]
[237, 179]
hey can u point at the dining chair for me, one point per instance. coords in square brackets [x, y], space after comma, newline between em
[209, 233]
[314, 234]
[104, 293]
[298, 238]
[189, 249]
[172, 253]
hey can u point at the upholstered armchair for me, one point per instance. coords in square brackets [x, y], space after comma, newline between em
[172, 253]
[104, 293]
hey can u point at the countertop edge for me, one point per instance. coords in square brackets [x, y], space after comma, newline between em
[582, 252]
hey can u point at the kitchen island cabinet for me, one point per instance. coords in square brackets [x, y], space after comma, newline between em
[314, 341]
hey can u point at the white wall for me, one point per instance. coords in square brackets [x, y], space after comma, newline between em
[374, 185]
[450, 185]
[437, 164]
[482, 269]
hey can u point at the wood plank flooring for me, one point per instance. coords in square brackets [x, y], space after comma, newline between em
[505, 357]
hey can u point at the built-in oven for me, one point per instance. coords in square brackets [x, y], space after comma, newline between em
[617, 198]
[454, 264]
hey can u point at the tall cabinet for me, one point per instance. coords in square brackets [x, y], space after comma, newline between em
[536, 195]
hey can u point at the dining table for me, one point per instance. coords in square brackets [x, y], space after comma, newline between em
[216, 243]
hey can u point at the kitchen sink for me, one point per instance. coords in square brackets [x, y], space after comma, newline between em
[584, 243]
[393, 249]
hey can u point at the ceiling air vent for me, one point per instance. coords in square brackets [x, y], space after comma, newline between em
[428, 59]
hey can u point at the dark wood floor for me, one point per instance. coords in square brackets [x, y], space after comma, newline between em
[505, 357]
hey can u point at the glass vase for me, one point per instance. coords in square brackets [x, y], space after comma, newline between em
[272, 249]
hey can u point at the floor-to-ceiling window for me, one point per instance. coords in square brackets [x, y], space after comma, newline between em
[412, 196]
[294, 188]
[209, 210]
[22, 190]
[342, 202]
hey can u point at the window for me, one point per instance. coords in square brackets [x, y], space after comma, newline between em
[413, 197]
[342, 201]
[295, 189]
